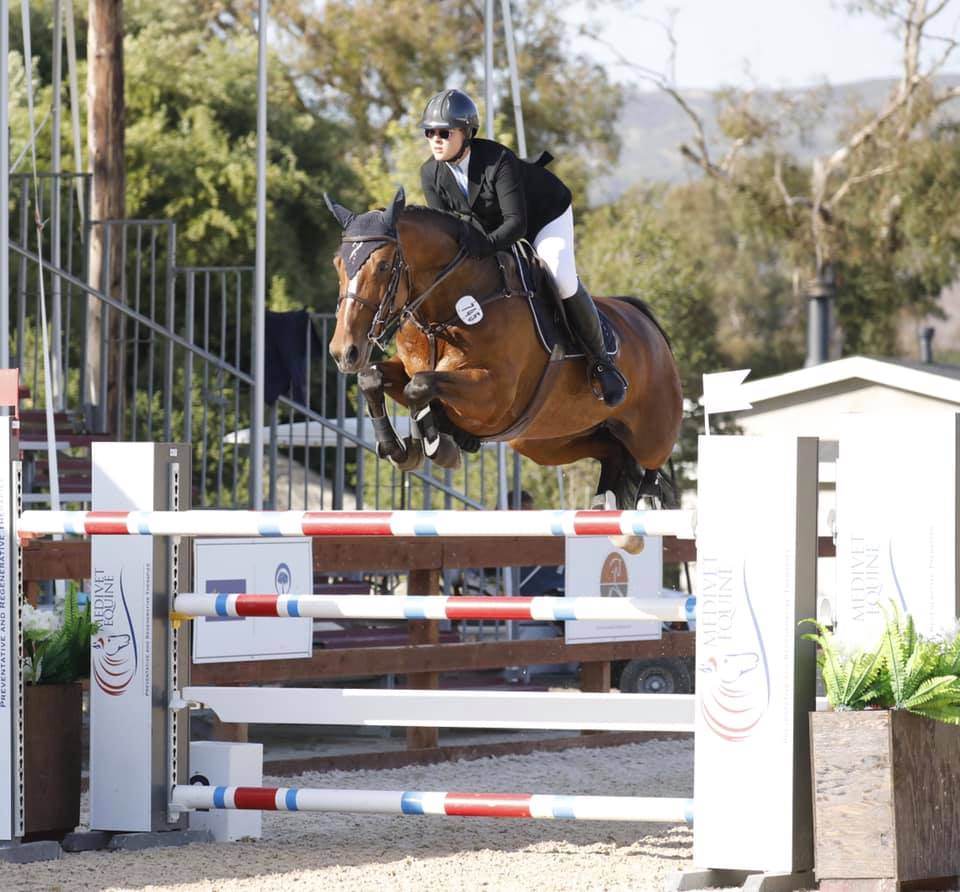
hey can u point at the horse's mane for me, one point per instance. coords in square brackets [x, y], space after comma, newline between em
[445, 221]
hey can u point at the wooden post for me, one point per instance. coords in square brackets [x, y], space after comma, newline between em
[105, 111]
[423, 582]
[231, 732]
[595, 678]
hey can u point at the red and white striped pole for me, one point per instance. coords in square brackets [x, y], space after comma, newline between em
[666, 609]
[470, 805]
[359, 523]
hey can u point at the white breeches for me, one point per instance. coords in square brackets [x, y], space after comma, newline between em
[554, 244]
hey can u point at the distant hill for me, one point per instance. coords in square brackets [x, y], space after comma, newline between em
[653, 126]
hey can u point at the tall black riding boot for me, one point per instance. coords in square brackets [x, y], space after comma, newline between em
[611, 386]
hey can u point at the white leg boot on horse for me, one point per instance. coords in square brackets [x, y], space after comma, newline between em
[440, 448]
[605, 378]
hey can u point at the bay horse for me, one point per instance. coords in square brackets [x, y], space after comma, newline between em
[469, 363]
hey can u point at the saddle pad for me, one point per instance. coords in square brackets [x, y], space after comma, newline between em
[545, 307]
[553, 330]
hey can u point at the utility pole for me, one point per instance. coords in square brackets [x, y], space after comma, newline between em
[104, 368]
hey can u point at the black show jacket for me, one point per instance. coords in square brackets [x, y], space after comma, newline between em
[510, 199]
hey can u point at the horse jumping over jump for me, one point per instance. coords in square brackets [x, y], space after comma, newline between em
[468, 344]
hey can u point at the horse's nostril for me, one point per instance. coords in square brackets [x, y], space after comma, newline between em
[351, 355]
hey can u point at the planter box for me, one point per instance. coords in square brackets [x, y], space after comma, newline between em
[53, 727]
[886, 787]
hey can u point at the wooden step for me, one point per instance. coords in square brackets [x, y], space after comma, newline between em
[39, 416]
[69, 440]
[64, 462]
[66, 486]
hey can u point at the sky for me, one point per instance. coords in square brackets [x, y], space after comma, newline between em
[765, 43]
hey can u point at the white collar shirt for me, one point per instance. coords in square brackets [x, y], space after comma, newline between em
[459, 171]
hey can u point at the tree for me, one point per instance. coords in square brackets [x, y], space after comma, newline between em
[191, 101]
[838, 225]
[626, 249]
[369, 64]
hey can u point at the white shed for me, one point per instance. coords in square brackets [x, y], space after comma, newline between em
[816, 400]
[808, 401]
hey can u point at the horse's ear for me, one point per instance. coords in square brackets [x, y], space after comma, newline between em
[399, 200]
[344, 217]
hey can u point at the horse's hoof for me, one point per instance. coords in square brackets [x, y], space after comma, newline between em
[392, 450]
[604, 501]
[411, 459]
[629, 544]
[447, 453]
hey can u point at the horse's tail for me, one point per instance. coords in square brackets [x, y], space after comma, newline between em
[644, 308]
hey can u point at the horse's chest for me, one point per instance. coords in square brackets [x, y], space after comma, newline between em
[418, 355]
[415, 355]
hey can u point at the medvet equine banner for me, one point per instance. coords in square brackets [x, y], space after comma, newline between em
[756, 571]
[121, 744]
[8, 630]
[897, 522]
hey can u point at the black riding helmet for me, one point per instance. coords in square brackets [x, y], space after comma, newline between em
[453, 109]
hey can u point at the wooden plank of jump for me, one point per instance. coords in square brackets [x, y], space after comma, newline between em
[467, 656]
[70, 559]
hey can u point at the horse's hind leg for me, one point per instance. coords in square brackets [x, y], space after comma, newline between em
[658, 486]
[612, 469]
[650, 482]
[599, 444]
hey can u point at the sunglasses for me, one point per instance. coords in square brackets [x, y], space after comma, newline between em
[431, 132]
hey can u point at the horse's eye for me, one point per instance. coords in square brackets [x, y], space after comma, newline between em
[383, 266]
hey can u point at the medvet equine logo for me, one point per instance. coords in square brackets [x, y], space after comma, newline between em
[114, 648]
[733, 679]
[614, 579]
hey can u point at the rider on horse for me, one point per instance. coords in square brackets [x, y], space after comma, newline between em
[502, 200]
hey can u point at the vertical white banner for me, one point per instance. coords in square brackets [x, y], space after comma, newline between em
[594, 568]
[897, 502]
[756, 568]
[8, 640]
[261, 566]
[121, 738]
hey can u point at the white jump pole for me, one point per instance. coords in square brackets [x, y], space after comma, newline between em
[471, 805]
[514, 710]
[435, 607]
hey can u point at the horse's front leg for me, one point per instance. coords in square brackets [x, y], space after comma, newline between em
[469, 390]
[374, 381]
[473, 393]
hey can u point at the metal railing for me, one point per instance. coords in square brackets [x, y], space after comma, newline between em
[181, 336]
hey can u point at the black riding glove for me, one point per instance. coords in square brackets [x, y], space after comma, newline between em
[475, 242]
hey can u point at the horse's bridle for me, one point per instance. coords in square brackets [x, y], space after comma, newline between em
[387, 320]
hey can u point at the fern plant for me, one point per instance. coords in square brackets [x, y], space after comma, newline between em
[58, 652]
[851, 682]
[904, 670]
